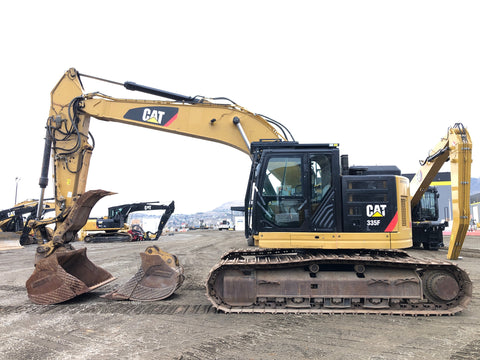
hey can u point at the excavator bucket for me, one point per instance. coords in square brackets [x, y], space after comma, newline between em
[160, 274]
[63, 276]
[61, 272]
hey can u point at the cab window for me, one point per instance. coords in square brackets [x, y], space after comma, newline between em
[282, 192]
[321, 178]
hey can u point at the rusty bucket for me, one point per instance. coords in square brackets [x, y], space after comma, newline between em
[160, 274]
[63, 276]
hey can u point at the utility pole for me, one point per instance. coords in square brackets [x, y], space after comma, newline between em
[17, 180]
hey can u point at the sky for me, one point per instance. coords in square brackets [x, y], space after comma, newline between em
[384, 79]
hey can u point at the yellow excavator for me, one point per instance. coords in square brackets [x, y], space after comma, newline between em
[13, 220]
[327, 235]
[114, 227]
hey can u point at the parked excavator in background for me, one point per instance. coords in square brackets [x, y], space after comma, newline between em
[427, 228]
[328, 234]
[114, 227]
[15, 219]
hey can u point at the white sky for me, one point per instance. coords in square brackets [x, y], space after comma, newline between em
[385, 79]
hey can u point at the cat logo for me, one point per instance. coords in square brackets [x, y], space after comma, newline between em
[156, 115]
[376, 210]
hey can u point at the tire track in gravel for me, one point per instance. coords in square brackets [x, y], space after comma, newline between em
[110, 308]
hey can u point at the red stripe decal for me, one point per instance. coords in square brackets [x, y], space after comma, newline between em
[171, 120]
[393, 223]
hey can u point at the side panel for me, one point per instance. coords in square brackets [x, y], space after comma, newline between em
[370, 203]
[325, 240]
[402, 234]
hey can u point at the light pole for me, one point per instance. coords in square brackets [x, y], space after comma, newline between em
[17, 180]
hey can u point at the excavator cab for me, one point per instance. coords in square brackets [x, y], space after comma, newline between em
[296, 182]
[305, 189]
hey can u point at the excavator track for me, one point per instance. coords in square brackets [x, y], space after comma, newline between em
[336, 282]
[108, 238]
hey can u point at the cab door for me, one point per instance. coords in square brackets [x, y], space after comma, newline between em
[324, 195]
[296, 192]
[281, 200]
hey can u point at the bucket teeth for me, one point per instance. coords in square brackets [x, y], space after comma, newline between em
[154, 280]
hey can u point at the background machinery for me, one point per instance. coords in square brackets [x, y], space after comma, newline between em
[15, 219]
[328, 235]
[427, 228]
[226, 224]
[114, 227]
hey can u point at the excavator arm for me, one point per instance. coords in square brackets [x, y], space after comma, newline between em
[456, 146]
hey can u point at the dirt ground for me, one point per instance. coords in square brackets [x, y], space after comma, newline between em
[185, 326]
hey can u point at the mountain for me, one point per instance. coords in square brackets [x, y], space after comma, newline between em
[206, 218]
[227, 206]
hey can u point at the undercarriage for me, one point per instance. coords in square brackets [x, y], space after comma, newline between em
[336, 282]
